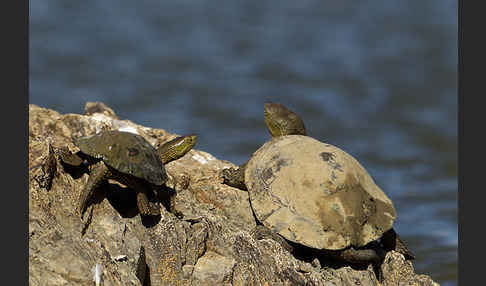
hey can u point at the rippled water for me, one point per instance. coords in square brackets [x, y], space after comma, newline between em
[376, 78]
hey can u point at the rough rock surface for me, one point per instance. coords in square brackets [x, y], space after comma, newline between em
[208, 240]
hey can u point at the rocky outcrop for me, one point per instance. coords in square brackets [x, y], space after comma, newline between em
[209, 238]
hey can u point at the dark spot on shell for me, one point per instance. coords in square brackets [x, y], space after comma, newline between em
[326, 156]
[337, 166]
[333, 176]
[329, 158]
[328, 188]
[132, 152]
[274, 157]
[280, 163]
[267, 174]
[325, 190]
[307, 183]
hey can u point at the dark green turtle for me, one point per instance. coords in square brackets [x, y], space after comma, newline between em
[129, 159]
[316, 195]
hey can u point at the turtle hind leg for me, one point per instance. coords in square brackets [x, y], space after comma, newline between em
[235, 177]
[391, 241]
[360, 256]
[99, 174]
[373, 255]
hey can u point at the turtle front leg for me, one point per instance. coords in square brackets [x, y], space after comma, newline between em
[235, 177]
[143, 189]
[99, 173]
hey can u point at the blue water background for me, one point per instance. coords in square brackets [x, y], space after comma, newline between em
[376, 78]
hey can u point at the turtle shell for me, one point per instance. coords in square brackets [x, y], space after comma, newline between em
[126, 152]
[315, 194]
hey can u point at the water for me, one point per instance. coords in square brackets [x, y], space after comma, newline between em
[377, 79]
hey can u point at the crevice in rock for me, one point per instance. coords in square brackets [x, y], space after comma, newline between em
[143, 270]
[196, 246]
[88, 221]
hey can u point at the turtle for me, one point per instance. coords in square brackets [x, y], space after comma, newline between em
[315, 195]
[127, 158]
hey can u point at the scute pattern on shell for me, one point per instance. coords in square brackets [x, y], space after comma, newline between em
[315, 194]
[126, 152]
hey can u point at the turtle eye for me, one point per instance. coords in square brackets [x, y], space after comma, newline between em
[132, 152]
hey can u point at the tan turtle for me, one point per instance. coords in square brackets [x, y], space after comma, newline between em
[316, 195]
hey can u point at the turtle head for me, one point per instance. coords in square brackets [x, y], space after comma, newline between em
[189, 141]
[176, 148]
[281, 121]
